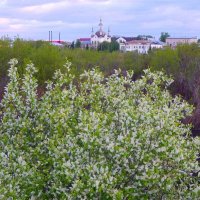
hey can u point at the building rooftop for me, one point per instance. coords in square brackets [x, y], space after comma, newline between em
[84, 39]
[126, 38]
[181, 38]
[139, 42]
[100, 33]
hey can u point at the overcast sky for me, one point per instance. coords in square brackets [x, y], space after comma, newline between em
[33, 19]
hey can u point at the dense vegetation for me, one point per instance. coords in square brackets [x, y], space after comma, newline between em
[47, 58]
[182, 63]
[103, 138]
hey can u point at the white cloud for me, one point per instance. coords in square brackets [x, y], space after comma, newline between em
[44, 8]
[4, 21]
[76, 17]
[21, 25]
[60, 5]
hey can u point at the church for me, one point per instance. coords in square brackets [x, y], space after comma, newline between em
[100, 36]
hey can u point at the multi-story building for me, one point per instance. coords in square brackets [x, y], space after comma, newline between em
[157, 45]
[122, 39]
[173, 42]
[141, 46]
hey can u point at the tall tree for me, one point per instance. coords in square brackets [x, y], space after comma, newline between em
[108, 46]
[104, 46]
[114, 46]
[78, 44]
[163, 36]
[72, 45]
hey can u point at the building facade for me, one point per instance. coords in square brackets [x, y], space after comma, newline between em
[141, 46]
[173, 42]
[123, 39]
[85, 42]
[100, 36]
[157, 45]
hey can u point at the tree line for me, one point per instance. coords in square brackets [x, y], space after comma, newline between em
[182, 63]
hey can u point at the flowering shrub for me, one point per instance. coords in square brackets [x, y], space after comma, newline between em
[107, 138]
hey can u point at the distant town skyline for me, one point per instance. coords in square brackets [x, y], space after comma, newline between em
[33, 19]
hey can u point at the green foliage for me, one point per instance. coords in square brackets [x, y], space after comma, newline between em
[21, 49]
[107, 138]
[166, 59]
[189, 58]
[5, 52]
[78, 44]
[183, 63]
[163, 36]
[72, 45]
[108, 46]
[48, 58]
[189, 62]
[114, 46]
[104, 46]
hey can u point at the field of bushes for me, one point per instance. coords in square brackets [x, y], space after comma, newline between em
[98, 132]
[182, 63]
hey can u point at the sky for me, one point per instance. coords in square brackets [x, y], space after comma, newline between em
[73, 19]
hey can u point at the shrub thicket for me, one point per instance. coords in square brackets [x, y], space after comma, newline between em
[182, 63]
[107, 138]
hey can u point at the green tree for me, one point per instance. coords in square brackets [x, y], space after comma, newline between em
[163, 36]
[104, 46]
[107, 138]
[78, 44]
[47, 58]
[22, 49]
[166, 59]
[189, 62]
[5, 52]
[72, 45]
[108, 46]
[114, 46]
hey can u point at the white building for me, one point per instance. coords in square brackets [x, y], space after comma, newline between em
[156, 45]
[100, 36]
[122, 39]
[173, 42]
[141, 46]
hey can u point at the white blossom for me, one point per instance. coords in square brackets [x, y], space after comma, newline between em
[99, 140]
